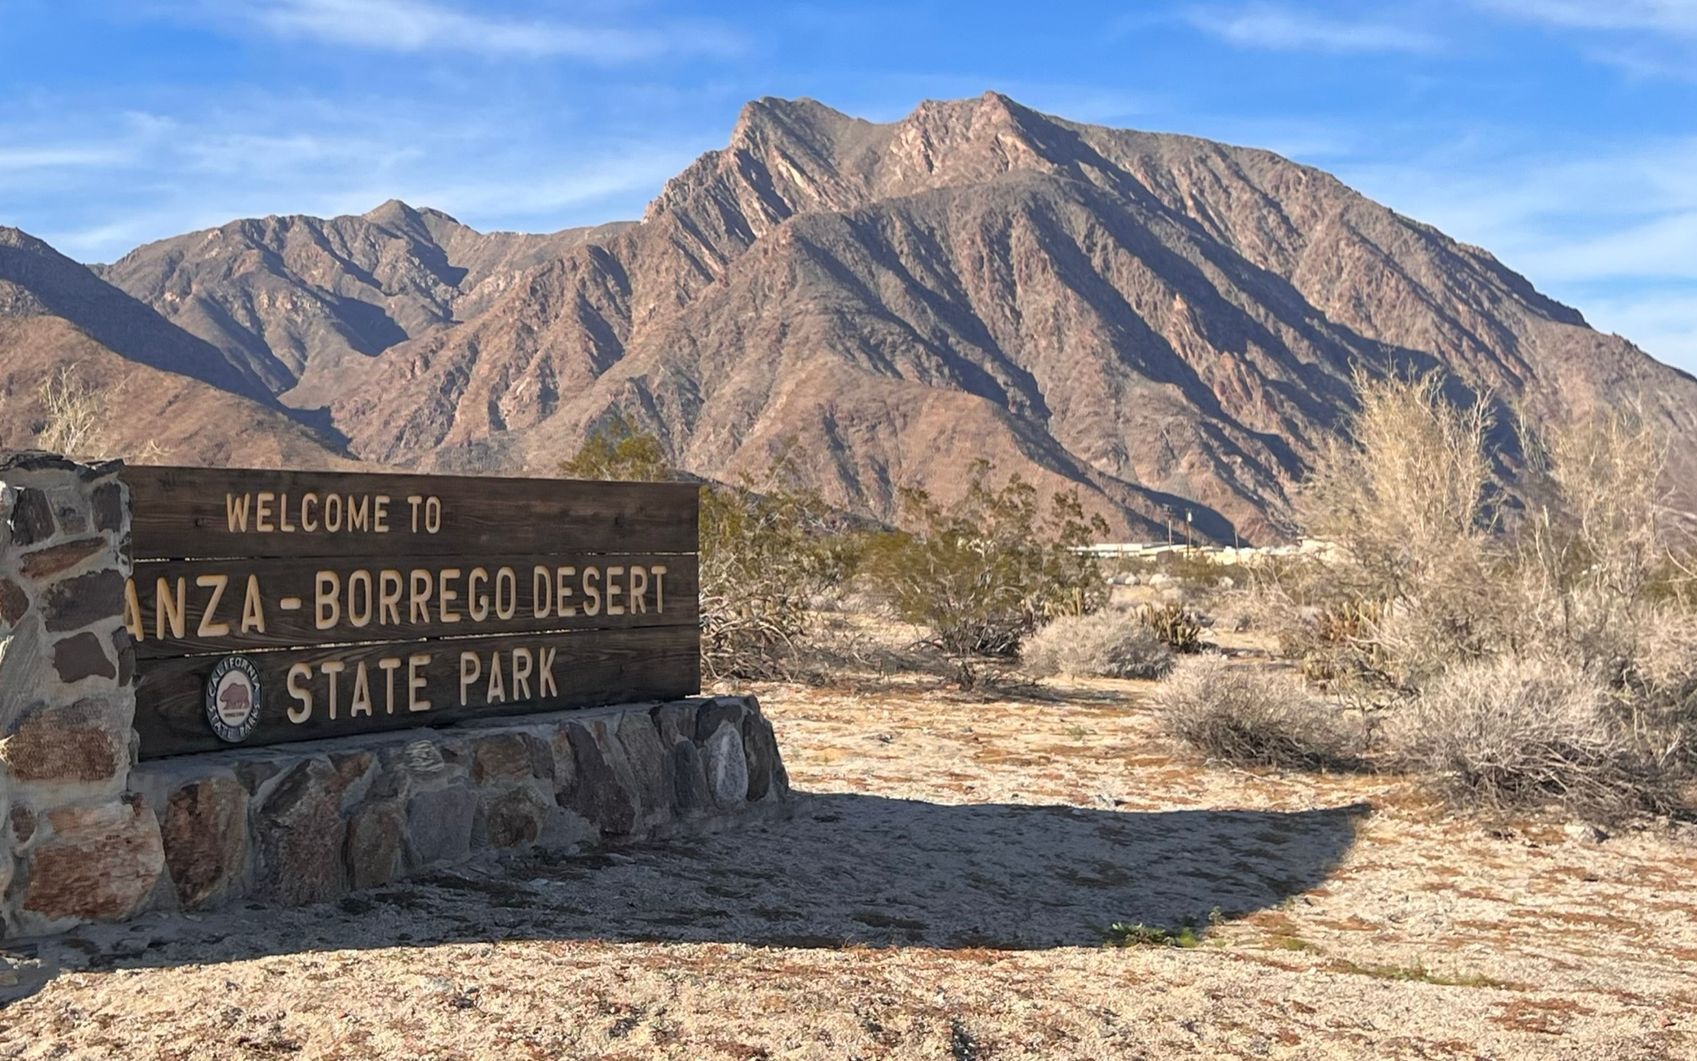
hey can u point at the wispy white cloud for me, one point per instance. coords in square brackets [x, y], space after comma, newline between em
[56, 156]
[413, 26]
[1644, 38]
[1661, 320]
[1659, 16]
[111, 181]
[1613, 232]
[1276, 28]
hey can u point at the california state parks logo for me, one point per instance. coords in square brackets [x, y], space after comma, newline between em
[232, 699]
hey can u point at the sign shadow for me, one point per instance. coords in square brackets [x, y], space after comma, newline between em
[844, 869]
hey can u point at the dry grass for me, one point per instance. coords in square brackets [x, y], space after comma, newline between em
[945, 889]
[1250, 716]
[1104, 644]
[1525, 733]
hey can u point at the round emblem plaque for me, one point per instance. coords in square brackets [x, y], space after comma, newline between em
[232, 699]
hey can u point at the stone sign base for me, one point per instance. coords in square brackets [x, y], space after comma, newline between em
[308, 822]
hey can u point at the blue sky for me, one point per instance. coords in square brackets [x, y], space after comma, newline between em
[1559, 134]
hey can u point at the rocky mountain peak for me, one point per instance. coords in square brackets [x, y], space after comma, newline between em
[393, 212]
[1156, 320]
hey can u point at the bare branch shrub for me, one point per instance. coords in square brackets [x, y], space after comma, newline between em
[1253, 716]
[73, 414]
[1519, 733]
[1104, 644]
[1405, 496]
[1597, 552]
[1542, 658]
[768, 549]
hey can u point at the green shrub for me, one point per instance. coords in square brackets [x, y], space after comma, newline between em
[617, 451]
[766, 553]
[768, 547]
[1121, 934]
[982, 573]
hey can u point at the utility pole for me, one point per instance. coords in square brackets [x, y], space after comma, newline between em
[1189, 537]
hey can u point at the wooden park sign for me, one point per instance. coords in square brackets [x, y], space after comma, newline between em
[270, 606]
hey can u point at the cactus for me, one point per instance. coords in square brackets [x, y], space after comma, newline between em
[1179, 628]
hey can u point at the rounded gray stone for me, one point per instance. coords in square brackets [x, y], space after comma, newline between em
[727, 766]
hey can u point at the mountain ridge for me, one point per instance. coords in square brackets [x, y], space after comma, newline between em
[1154, 319]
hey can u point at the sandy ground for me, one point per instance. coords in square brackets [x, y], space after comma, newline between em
[944, 889]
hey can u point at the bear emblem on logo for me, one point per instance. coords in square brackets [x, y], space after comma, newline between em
[232, 699]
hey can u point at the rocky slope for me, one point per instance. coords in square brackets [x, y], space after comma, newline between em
[1159, 320]
[159, 393]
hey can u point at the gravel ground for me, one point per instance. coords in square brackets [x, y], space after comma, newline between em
[944, 888]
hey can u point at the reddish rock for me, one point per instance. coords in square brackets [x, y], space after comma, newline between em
[505, 757]
[205, 838]
[48, 562]
[100, 864]
[84, 741]
[77, 602]
[23, 824]
[351, 768]
[376, 844]
[82, 656]
[513, 818]
[13, 602]
[300, 833]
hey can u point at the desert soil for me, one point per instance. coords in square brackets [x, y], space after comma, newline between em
[944, 888]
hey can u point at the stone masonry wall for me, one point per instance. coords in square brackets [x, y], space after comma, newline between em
[86, 834]
[303, 823]
[74, 843]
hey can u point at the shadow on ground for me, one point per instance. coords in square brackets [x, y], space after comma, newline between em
[843, 869]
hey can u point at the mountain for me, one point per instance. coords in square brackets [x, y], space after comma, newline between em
[163, 393]
[1159, 320]
[293, 299]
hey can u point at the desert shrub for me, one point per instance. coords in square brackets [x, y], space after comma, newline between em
[73, 414]
[1533, 653]
[1517, 733]
[1336, 643]
[1409, 497]
[769, 548]
[618, 451]
[984, 572]
[1138, 934]
[1173, 625]
[1102, 644]
[1253, 716]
